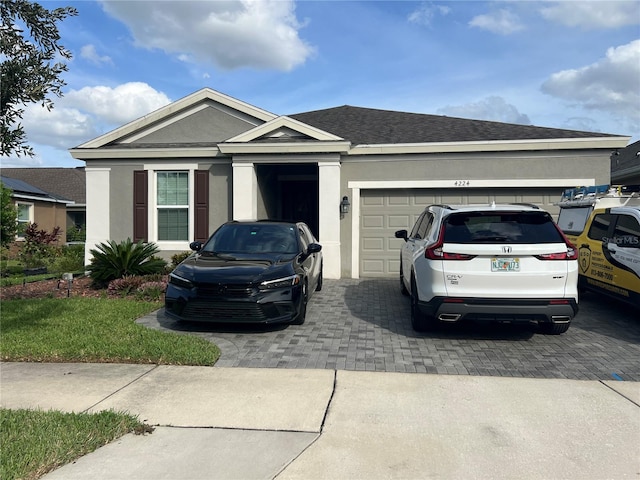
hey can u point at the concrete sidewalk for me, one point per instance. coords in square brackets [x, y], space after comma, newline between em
[235, 423]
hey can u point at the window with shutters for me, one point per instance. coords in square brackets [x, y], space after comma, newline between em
[172, 200]
[171, 207]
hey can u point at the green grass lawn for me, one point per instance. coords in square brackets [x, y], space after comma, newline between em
[35, 442]
[79, 330]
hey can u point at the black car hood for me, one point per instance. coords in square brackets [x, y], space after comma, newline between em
[236, 268]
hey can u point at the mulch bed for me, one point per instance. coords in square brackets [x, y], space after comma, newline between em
[81, 287]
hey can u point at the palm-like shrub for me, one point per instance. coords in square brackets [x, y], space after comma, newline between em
[113, 260]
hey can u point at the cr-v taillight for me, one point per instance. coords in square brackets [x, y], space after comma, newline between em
[434, 252]
[570, 254]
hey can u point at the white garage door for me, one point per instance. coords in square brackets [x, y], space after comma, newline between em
[382, 212]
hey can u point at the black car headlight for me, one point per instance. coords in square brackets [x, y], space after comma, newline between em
[280, 283]
[179, 281]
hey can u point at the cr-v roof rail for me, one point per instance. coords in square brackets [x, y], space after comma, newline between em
[442, 205]
[525, 204]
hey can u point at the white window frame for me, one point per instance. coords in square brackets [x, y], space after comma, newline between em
[152, 202]
[31, 207]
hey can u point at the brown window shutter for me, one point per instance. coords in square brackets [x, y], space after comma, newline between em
[140, 208]
[201, 196]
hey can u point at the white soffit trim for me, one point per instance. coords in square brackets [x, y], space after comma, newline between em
[177, 106]
[493, 146]
[284, 122]
[20, 196]
[468, 183]
[128, 153]
[289, 147]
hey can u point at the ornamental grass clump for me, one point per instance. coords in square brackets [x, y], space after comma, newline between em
[113, 260]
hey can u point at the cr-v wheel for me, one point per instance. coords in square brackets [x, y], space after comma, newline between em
[403, 288]
[554, 328]
[418, 319]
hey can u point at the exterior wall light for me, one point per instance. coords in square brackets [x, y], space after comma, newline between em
[344, 206]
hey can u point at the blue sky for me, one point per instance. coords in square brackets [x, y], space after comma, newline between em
[568, 64]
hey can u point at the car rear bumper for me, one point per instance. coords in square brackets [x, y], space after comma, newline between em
[506, 310]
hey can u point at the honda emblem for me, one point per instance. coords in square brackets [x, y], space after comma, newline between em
[506, 249]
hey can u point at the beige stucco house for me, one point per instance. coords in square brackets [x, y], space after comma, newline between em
[176, 174]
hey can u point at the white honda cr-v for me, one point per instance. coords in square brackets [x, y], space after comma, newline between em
[504, 263]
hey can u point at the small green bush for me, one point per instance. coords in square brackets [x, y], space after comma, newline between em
[77, 234]
[177, 258]
[113, 260]
[70, 259]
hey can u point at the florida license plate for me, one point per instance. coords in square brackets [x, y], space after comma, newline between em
[505, 264]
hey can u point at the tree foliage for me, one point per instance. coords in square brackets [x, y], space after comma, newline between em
[31, 68]
[9, 215]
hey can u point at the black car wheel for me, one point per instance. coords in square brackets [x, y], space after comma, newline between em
[304, 298]
[319, 284]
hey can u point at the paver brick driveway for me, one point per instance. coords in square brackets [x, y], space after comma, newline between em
[364, 325]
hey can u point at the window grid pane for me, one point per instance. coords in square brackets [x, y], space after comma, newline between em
[173, 224]
[173, 205]
[173, 188]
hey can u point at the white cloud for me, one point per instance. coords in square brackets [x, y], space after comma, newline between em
[59, 127]
[261, 34]
[501, 21]
[89, 112]
[117, 105]
[593, 14]
[89, 52]
[491, 108]
[426, 12]
[610, 85]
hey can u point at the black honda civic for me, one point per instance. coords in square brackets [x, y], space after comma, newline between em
[248, 272]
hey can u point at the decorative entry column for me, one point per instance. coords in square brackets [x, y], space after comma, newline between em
[98, 211]
[329, 217]
[245, 191]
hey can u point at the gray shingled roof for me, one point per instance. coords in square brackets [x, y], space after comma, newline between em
[64, 183]
[368, 126]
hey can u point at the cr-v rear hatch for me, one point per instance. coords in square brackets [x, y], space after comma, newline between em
[505, 254]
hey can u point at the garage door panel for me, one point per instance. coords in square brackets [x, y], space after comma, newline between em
[394, 200]
[399, 221]
[375, 244]
[374, 267]
[382, 212]
[372, 221]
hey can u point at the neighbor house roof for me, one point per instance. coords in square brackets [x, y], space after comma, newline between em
[25, 191]
[67, 183]
[367, 126]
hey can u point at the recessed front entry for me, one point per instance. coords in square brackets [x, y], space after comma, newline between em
[290, 192]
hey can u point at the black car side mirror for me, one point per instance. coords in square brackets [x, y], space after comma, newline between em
[402, 234]
[311, 249]
[195, 246]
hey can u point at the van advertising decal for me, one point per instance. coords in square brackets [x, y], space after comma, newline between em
[585, 258]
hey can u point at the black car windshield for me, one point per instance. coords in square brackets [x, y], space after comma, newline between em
[252, 238]
[499, 227]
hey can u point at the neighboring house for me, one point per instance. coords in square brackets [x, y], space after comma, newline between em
[68, 183]
[176, 174]
[37, 206]
[625, 165]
